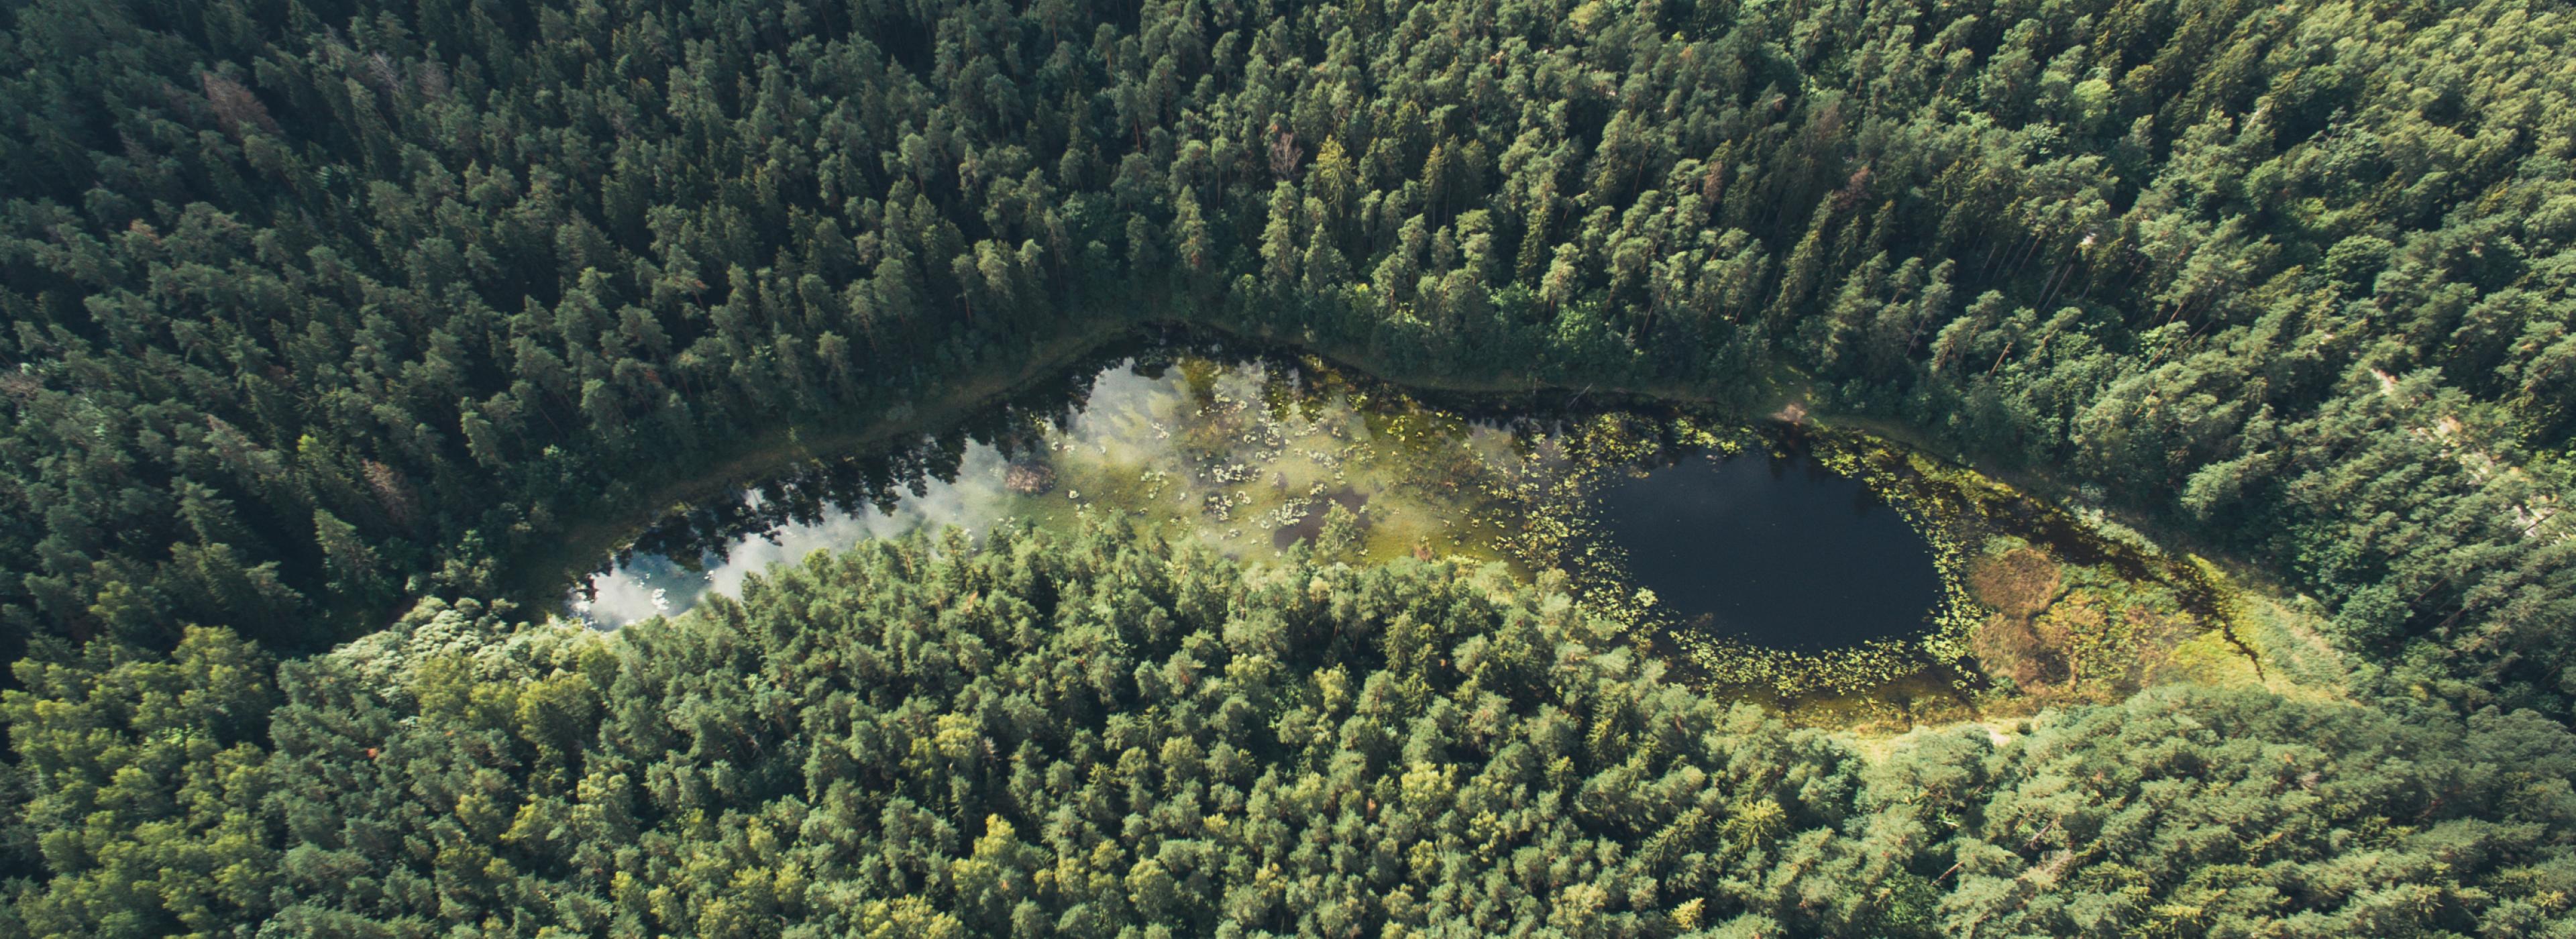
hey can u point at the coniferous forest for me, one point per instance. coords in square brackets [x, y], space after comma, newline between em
[333, 325]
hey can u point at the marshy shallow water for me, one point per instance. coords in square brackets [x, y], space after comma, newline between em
[1719, 532]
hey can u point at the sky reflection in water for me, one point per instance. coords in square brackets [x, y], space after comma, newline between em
[1249, 456]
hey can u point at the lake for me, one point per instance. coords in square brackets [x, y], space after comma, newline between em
[1731, 529]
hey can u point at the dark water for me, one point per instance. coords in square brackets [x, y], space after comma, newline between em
[1774, 552]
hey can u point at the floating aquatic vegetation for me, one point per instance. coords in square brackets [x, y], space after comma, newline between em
[1260, 456]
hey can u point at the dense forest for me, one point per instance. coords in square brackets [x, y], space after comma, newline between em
[1094, 735]
[328, 314]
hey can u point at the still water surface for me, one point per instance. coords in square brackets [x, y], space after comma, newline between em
[1259, 456]
[1778, 552]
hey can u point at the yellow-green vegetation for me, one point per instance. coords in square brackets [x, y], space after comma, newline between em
[2040, 605]
[2044, 606]
[1258, 458]
[1263, 458]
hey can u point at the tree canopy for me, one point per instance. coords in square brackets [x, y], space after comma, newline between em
[1097, 735]
[318, 311]
[317, 306]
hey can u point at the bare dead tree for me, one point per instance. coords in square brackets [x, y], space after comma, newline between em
[1284, 153]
